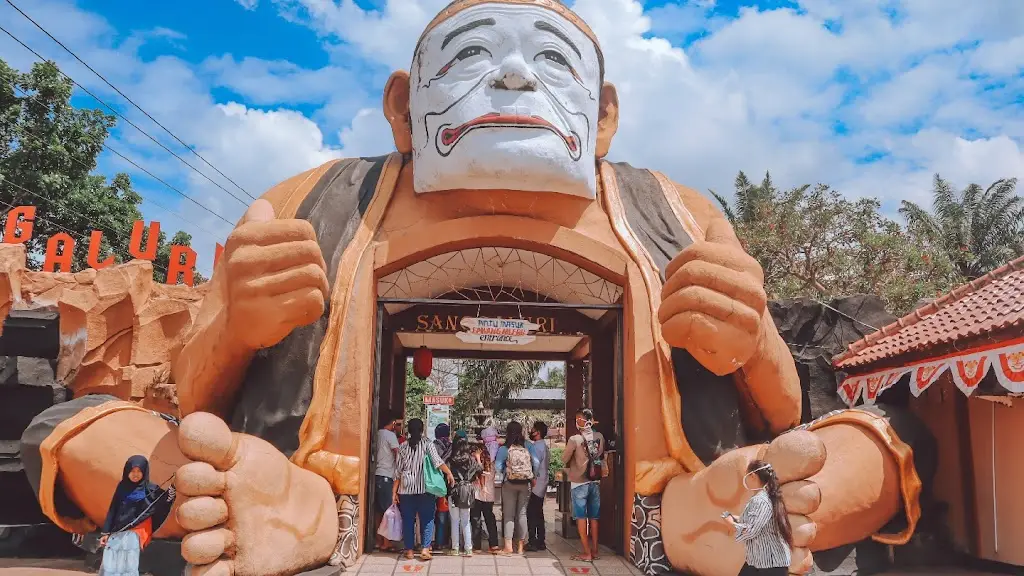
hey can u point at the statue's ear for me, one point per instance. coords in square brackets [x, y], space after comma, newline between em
[396, 110]
[607, 119]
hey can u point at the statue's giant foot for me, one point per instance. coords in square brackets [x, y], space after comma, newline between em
[840, 484]
[249, 511]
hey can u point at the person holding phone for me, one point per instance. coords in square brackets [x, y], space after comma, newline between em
[763, 526]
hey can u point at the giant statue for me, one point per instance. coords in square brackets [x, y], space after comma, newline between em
[501, 128]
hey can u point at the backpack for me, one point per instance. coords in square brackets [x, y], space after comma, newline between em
[595, 466]
[518, 465]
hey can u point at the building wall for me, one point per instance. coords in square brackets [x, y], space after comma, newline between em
[937, 408]
[997, 432]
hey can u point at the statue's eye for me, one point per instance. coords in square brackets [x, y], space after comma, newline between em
[471, 52]
[554, 58]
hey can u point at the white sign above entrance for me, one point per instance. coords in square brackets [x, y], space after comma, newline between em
[508, 331]
[471, 338]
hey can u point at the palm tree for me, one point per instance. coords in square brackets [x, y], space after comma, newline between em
[979, 230]
[488, 382]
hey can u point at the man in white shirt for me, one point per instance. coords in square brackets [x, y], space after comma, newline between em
[384, 475]
[535, 509]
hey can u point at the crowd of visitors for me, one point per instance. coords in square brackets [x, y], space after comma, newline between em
[474, 473]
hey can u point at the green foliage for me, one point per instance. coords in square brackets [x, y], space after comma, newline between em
[813, 242]
[415, 389]
[48, 151]
[555, 463]
[978, 230]
[555, 379]
[488, 382]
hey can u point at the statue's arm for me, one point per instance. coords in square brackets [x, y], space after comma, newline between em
[215, 357]
[770, 375]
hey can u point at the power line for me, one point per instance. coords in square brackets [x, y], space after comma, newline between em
[154, 202]
[144, 170]
[121, 116]
[123, 95]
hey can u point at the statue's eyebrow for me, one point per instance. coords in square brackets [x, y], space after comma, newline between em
[466, 28]
[545, 27]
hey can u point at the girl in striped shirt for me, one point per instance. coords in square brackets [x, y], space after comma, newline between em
[410, 492]
[763, 527]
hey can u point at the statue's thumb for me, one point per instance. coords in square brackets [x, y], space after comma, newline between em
[720, 232]
[259, 211]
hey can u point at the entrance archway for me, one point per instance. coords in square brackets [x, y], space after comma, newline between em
[579, 319]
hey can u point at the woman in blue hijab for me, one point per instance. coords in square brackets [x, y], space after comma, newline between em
[136, 511]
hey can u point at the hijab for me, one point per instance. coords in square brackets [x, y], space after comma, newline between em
[135, 502]
[442, 441]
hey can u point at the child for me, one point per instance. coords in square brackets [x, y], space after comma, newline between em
[490, 437]
[137, 509]
[483, 507]
[466, 470]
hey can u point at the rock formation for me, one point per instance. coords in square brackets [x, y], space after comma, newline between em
[118, 328]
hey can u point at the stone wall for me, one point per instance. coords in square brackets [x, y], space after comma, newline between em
[118, 328]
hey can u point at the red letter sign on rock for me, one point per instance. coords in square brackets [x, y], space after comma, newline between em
[16, 225]
[95, 241]
[176, 266]
[152, 241]
[66, 244]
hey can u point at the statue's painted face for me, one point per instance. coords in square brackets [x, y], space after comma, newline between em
[505, 96]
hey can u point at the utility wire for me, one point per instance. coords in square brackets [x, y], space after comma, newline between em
[121, 116]
[154, 202]
[123, 95]
[144, 170]
[75, 235]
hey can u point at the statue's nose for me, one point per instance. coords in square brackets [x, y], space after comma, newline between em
[514, 74]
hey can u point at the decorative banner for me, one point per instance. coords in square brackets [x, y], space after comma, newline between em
[439, 400]
[967, 370]
[508, 331]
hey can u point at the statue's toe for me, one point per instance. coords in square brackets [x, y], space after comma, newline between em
[221, 567]
[202, 512]
[206, 438]
[796, 455]
[199, 479]
[207, 546]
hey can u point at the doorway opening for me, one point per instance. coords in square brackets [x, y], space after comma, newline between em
[576, 320]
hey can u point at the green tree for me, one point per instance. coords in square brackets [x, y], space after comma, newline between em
[813, 242]
[163, 256]
[978, 229]
[488, 382]
[415, 389]
[48, 152]
[555, 379]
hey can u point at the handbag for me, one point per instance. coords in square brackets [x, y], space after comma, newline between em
[433, 479]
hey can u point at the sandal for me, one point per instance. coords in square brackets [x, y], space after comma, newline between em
[407, 555]
[426, 555]
[580, 558]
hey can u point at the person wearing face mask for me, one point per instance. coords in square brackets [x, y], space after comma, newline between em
[584, 454]
[763, 527]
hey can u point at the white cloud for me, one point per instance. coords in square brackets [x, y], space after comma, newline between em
[248, 4]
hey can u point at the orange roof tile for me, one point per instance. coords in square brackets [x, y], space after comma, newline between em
[990, 303]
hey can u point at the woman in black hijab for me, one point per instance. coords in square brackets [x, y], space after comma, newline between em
[137, 509]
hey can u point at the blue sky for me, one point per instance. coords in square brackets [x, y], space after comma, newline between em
[870, 96]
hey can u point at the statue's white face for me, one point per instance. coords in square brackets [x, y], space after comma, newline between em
[505, 96]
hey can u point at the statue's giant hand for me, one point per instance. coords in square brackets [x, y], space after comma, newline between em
[713, 301]
[276, 278]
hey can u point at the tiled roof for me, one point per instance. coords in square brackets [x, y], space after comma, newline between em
[990, 303]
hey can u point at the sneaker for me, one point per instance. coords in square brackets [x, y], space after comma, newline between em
[453, 552]
[467, 554]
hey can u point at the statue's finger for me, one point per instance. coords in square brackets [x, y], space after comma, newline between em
[207, 546]
[804, 529]
[713, 304]
[282, 282]
[199, 479]
[796, 455]
[259, 211]
[801, 561]
[732, 257]
[255, 261]
[735, 285]
[802, 496]
[202, 512]
[716, 345]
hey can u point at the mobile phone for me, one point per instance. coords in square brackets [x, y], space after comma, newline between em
[726, 514]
